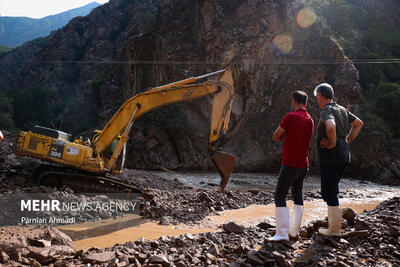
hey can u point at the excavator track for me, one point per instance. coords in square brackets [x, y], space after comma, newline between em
[80, 182]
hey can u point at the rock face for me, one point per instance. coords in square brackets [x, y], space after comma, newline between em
[95, 63]
[238, 36]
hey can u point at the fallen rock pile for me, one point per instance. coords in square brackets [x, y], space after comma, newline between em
[14, 170]
[370, 239]
[143, 179]
[35, 246]
[191, 206]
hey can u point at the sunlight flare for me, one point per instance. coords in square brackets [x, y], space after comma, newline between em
[305, 18]
[283, 43]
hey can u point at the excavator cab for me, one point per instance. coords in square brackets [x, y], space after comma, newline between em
[51, 133]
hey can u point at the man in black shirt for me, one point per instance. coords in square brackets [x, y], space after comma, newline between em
[337, 128]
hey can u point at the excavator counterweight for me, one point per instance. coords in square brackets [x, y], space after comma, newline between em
[106, 153]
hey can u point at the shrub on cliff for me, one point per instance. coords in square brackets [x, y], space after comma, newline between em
[388, 103]
[6, 110]
[30, 107]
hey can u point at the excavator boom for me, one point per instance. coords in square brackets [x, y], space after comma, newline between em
[172, 93]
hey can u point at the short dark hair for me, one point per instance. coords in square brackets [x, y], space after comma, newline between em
[325, 89]
[300, 97]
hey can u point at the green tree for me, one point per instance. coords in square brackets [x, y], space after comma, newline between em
[6, 110]
[388, 103]
[370, 74]
[31, 107]
[338, 13]
[392, 72]
[386, 88]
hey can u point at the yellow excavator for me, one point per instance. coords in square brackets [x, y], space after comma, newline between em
[83, 164]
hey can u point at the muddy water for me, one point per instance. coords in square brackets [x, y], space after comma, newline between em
[252, 215]
[108, 232]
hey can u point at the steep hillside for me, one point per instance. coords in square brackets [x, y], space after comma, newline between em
[15, 31]
[369, 33]
[85, 70]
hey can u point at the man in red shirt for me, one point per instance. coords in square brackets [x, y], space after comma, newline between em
[295, 131]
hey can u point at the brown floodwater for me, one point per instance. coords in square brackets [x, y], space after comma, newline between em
[130, 227]
[106, 233]
[315, 209]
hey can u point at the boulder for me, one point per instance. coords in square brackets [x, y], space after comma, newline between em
[265, 225]
[232, 227]
[46, 255]
[99, 257]
[39, 242]
[348, 214]
[214, 250]
[57, 237]
[160, 259]
[13, 162]
[280, 259]
[254, 259]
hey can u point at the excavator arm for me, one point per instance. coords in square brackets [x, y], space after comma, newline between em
[117, 130]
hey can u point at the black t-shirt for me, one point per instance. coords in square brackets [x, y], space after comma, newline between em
[340, 154]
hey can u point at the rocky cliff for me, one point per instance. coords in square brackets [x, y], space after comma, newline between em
[95, 63]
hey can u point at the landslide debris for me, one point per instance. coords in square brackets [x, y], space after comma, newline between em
[370, 239]
[190, 207]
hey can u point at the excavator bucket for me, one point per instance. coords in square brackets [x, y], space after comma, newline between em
[224, 163]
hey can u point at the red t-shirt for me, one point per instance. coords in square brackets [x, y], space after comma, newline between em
[299, 127]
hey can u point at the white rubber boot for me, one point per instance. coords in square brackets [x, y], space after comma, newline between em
[335, 222]
[295, 221]
[282, 224]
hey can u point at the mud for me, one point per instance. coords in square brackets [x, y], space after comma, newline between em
[106, 233]
[192, 206]
[372, 239]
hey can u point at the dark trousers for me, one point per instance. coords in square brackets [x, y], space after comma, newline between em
[290, 177]
[330, 177]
